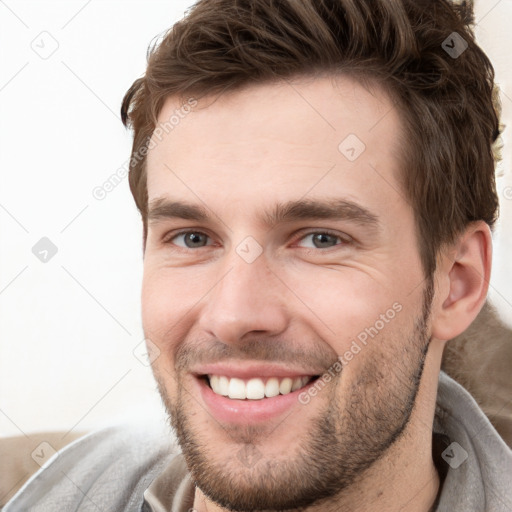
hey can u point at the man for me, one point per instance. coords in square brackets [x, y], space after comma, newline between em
[316, 183]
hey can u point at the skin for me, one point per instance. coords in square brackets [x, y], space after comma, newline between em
[301, 304]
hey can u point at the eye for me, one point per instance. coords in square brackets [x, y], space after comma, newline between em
[313, 240]
[189, 239]
[322, 240]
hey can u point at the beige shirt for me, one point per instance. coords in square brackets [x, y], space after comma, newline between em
[173, 490]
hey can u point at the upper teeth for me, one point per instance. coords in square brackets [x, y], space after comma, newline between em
[255, 389]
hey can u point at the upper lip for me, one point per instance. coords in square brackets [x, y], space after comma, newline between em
[247, 370]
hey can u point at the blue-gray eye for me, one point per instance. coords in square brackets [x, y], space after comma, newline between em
[320, 240]
[191, 239]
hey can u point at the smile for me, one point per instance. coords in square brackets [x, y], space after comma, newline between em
[256, 388]
[250, 392]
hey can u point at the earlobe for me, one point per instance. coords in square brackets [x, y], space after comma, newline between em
[467, 271]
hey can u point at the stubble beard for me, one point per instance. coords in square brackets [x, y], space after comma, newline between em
[342, 443]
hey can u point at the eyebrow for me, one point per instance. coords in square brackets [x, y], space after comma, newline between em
[163, 208]
[303, 209]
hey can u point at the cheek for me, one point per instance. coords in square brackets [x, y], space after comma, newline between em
[170, 298]
[165, 310]
[162, 305]
[345, 300]
[361, 315]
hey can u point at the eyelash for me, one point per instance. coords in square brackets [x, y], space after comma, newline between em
[344, 240]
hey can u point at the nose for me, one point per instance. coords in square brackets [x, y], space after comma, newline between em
[248, 300]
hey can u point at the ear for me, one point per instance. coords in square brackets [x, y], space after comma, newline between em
[463, 278]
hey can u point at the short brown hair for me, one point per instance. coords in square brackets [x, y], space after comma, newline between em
[446, 101]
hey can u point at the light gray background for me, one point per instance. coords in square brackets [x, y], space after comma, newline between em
[69, 326]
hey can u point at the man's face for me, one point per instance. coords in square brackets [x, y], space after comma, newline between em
[290, 261]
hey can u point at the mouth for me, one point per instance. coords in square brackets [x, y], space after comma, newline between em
[249, 393]
[256, 388]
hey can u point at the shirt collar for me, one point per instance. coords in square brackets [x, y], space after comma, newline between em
[463, 441]
[172, 490]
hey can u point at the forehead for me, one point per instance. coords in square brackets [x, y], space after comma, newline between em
[278, 141]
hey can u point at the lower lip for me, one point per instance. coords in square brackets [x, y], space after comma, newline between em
[246, 412]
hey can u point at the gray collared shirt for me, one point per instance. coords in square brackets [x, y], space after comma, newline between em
[140, 469]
